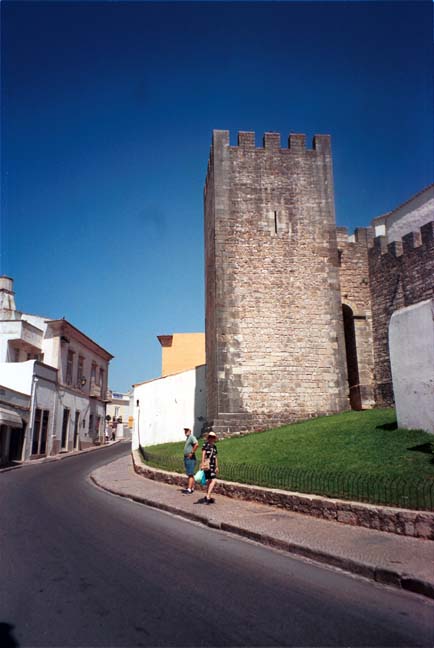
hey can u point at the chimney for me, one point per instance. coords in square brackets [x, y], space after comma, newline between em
[7, 298]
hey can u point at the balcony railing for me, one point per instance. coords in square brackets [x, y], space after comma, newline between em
[94, 390]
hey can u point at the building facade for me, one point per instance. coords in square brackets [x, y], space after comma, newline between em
[61, 370]
[14, 411]
[297, 310]
[120, 409]
[181, 351]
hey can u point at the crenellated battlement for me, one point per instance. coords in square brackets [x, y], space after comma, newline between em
[401, 273]
[362, 236]
[271, 141]
[423, 237]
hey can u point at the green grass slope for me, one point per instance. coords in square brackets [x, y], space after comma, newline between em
[366, 443]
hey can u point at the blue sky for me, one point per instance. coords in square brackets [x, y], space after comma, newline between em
[107, 113]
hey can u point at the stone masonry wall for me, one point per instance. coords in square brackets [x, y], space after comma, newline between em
[354, 280]
[275, 339]
[401, 274]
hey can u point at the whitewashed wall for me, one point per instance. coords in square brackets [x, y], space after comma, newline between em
[167, 405]
[17, 376]
[411, 343]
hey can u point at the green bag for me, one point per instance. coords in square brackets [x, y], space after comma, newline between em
[200, 478]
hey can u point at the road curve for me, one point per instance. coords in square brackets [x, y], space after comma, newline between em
[81, 567]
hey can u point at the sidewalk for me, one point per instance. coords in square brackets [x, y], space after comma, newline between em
[384, 557]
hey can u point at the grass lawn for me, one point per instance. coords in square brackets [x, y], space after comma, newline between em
[365, 446]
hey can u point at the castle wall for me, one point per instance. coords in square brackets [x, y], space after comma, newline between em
[274, 328]
[355, 292]
[401, 274]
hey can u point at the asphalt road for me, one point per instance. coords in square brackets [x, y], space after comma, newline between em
[81, 567]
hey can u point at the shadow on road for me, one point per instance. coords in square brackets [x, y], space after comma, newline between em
[7, 639]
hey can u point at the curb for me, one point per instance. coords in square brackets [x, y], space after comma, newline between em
[403, 522]
[378, 574]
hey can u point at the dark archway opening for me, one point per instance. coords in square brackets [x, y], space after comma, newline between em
[16, 445]
[352, 363]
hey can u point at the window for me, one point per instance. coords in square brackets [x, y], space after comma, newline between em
[80, 371]
[69, 366]
[93, 373]
[40, 430]
[101, 379]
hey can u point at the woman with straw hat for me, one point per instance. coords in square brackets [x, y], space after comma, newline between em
[209, 465]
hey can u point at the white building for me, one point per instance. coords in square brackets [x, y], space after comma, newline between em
[408, 217]
[14, 411]
[120, 407]
[62, 373]
[164, 406]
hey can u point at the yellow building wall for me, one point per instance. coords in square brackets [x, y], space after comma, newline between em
[182, 351]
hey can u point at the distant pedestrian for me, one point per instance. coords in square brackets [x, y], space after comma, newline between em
[190, 447]
[113, 433]
[209, 465]
[106, 434]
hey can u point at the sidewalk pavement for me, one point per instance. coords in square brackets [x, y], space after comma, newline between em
[387, 558]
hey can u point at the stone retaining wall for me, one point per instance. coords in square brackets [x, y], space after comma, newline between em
[417, 524]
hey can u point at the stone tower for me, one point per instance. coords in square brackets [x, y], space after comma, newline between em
[7, 298]
[275, 344]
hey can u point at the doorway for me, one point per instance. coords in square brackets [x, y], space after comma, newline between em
[16, 444]
[64, 443]
[352, 361]
[76, 436]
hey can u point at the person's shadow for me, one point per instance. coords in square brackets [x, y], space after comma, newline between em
[7, 639]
